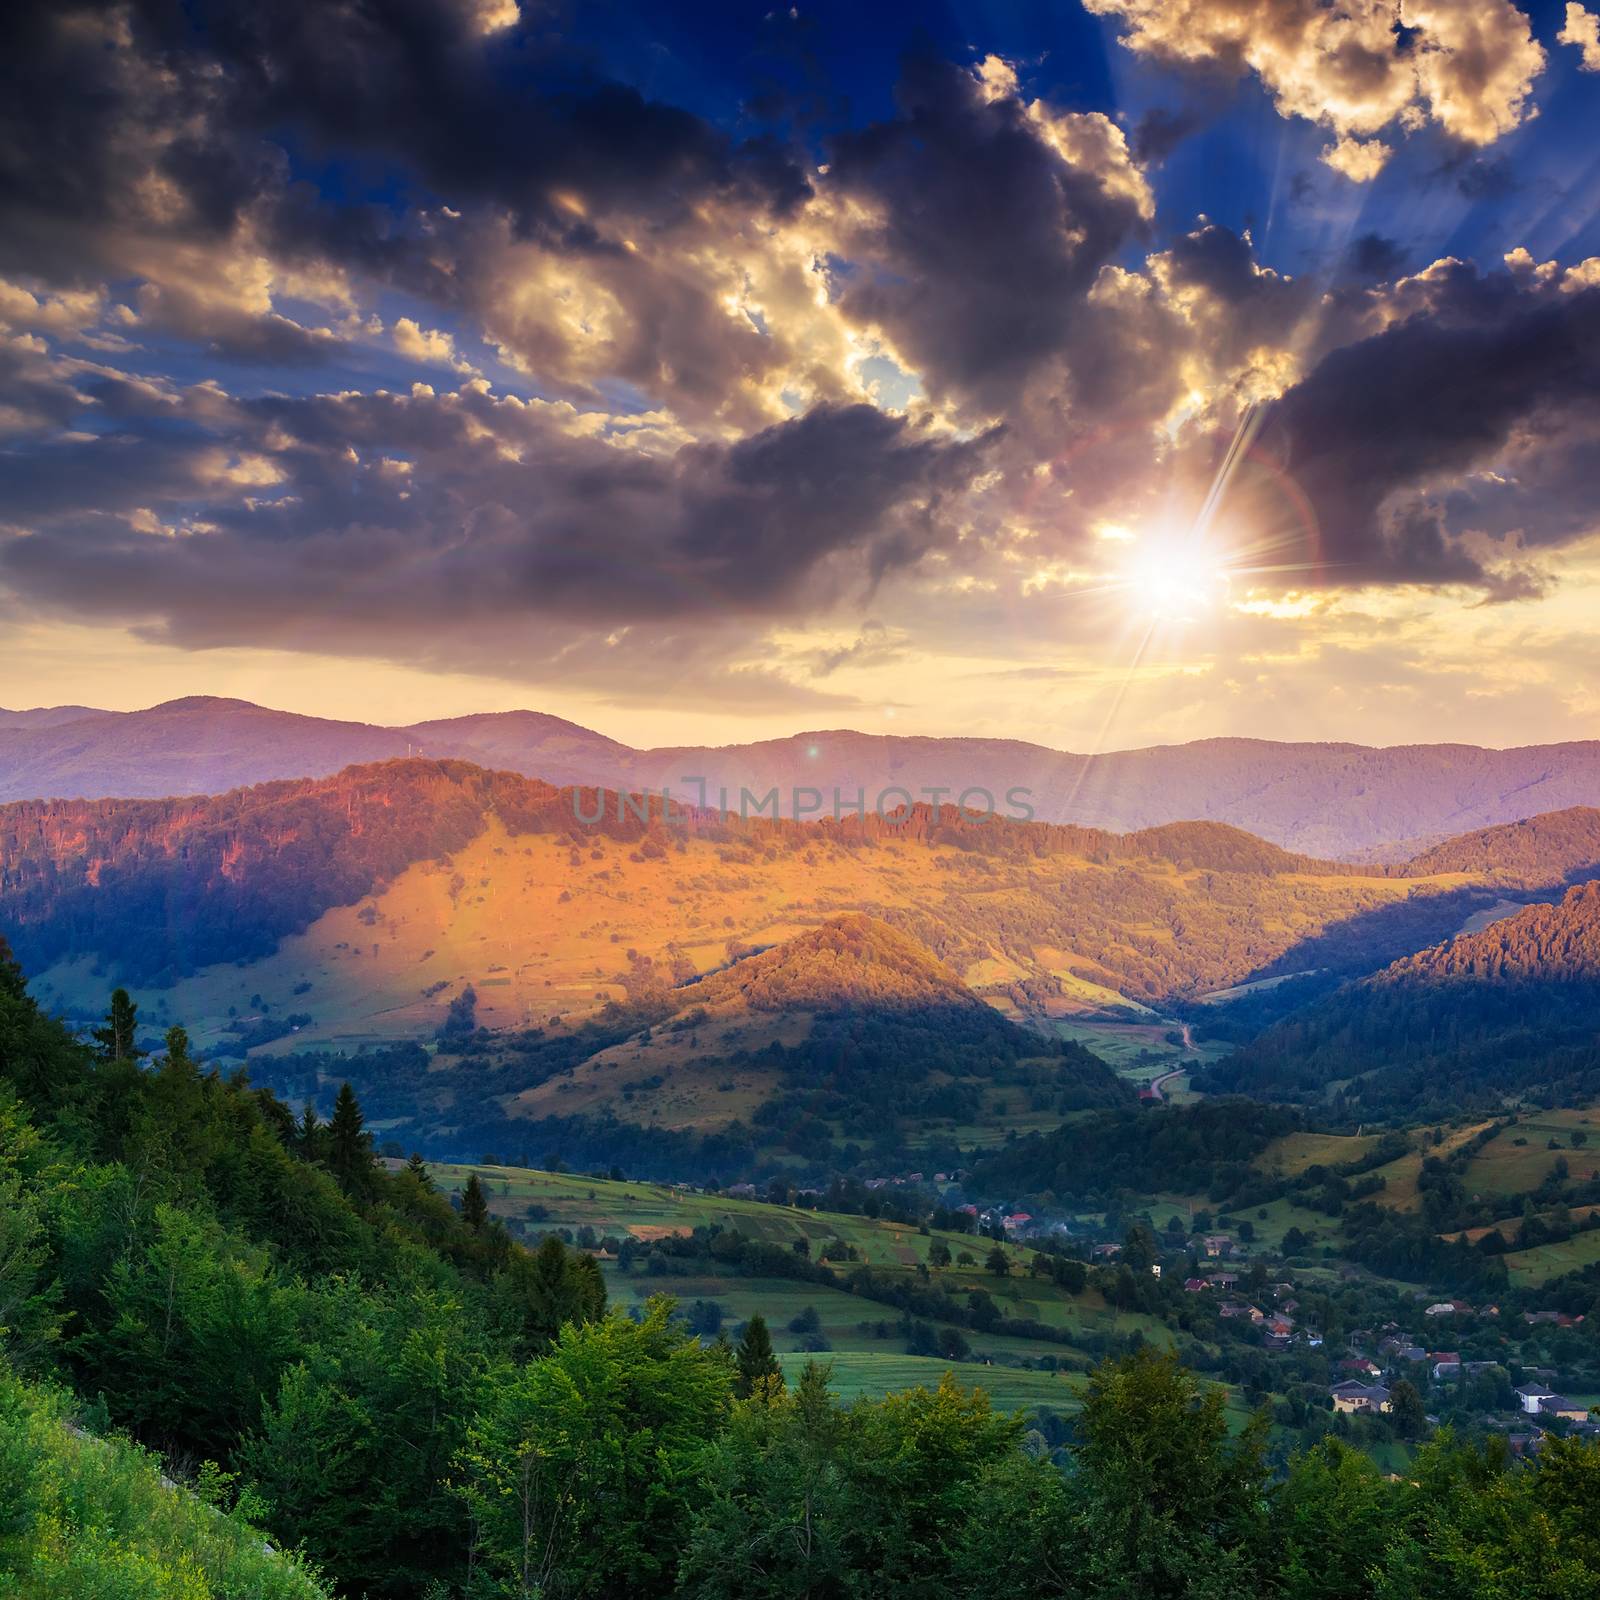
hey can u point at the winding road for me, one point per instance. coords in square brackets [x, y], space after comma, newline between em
[1157, 1084]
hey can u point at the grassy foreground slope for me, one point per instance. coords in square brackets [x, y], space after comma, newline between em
[85, 1518]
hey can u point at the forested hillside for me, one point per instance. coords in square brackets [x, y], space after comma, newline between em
[1513, 1011]
[848, 1040]
[162, 889]
[1539, 852]
[336, 1355]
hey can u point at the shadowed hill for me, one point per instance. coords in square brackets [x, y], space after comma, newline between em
[1511, 1011]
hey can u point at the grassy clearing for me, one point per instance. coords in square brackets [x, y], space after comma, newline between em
[874, 1373]
[1549, 1261]
[1295, 1152]
[85, 1516]
[1400, 1176]
[648, 1210]
[1520, 1158]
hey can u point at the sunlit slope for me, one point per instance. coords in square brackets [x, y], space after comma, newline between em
[853, 1019]
[1039, 921]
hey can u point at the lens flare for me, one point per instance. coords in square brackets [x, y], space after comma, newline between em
[1174, 580]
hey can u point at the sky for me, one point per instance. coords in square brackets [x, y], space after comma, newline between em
[1104, 375]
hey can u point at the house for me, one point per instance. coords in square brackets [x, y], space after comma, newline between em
[1360, 1367]
[1411, 1352]
[1441, 1308]
[1557, 1405]
[1155, 1269]
[1194, 1285]
[1280, 1327]
[1018, 1219]
[1446, 1364]
[1355, 1396]
[1218, 1244]
[1222, 1280]
[1531, 1396]
[1559, 1319]
[1106, 1252]
[1237, 1308]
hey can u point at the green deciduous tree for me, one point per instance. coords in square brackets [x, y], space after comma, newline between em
[582, 1474]
[1163, 1491]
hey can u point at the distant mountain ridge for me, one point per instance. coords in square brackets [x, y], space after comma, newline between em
[1321, 800]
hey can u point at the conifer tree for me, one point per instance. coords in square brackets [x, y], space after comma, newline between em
[418, 1168]
[116, 1039]
[757, 1369]
[474, 1205]
[309, 1136]
[349, 1144]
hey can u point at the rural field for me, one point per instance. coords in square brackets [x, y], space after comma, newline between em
[861, 1334]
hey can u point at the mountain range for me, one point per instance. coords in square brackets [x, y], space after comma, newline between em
[1337, 801]
[572, 959]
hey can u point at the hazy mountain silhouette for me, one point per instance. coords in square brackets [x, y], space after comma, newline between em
[1326, 800]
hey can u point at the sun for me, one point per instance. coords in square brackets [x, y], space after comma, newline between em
[1175, 579]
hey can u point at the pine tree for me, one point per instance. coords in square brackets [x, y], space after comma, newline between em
[474, 1205]
[309, 1136]
[116, 1039]
[418, 1168]
[349, 1144]
[757, 1369]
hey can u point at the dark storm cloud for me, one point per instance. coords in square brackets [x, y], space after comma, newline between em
[130, 132]
[1380, 426]
[1160, 131]
[513, 117]
[1373, 258]
[375, 516]
[982, 241]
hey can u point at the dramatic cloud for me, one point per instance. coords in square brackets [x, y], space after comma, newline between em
[1359, 69]
[1473, 366]
[414, 332]
[972, 226]
[457, 519]
[1582, 29]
